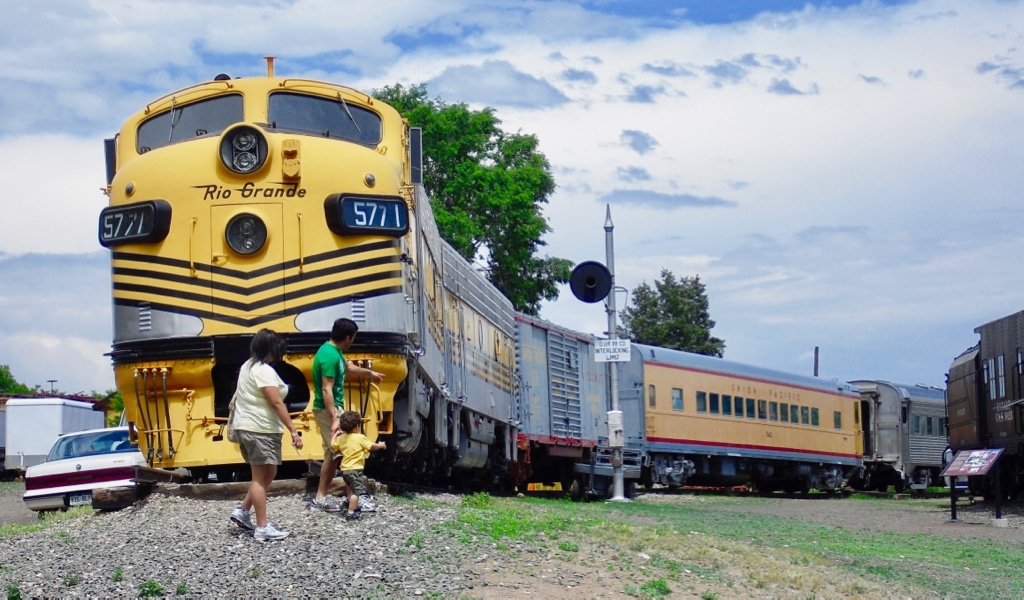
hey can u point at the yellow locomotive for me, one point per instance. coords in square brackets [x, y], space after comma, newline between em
[285, 203]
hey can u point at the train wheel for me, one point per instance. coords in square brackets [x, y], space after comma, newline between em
[645, 478]
[576, 490]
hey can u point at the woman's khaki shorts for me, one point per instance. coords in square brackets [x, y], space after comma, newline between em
[260, 448]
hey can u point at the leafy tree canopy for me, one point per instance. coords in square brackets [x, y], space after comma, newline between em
[486, 187]
[9, 385]
[673, 314]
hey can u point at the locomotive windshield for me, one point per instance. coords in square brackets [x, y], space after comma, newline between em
[189, 121]
[327, 117]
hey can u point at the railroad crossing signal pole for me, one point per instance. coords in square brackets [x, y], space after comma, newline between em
[591, 282]
[615, 424]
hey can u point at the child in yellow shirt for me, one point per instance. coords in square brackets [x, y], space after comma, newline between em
[355, 448]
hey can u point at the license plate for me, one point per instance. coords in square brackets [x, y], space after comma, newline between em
[80, 499]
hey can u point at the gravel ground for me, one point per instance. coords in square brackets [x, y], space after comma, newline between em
[191, 549]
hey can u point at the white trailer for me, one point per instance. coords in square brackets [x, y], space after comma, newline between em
[33, 424]
[3, 437]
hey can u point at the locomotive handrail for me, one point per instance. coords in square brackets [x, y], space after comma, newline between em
[156, 433]
[191, 248]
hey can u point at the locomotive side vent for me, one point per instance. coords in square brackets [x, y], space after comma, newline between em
[145, 316]
[359, 310]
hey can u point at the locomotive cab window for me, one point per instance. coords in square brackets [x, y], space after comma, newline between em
[189, 121]
[325, 117]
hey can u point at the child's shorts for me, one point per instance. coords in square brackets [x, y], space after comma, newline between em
[356, 481]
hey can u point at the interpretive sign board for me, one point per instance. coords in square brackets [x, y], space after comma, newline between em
[971, 462]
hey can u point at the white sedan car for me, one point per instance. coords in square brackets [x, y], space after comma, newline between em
[79, 463]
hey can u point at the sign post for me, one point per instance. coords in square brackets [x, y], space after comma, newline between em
[968, 463]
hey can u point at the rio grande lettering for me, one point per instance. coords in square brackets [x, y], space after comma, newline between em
[252, 191]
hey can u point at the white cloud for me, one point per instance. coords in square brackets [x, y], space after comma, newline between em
[52, 194]
[869, 154]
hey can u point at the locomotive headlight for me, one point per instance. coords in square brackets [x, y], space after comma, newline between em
[246, 233]
[243, 149]
[244, 162]
[244, 141]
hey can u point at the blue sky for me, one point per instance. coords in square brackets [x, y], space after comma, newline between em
[839, 174]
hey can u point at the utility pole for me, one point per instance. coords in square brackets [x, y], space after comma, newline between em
[615, 424]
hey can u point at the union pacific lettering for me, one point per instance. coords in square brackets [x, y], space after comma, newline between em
[251, 191]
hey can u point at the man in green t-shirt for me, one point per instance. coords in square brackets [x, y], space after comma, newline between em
[329, 370]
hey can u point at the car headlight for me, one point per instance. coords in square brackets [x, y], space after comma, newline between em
[243, 149]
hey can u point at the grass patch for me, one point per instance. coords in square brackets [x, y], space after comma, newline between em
[499, 519]
[715, 542]
[46, 520]
[150, 589]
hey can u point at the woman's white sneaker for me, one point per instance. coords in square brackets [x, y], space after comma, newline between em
[269, 533]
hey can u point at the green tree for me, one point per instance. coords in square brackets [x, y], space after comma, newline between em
[486, 187]
[673, 314]
[9, 385]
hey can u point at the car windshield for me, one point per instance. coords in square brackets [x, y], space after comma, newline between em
[88, 444]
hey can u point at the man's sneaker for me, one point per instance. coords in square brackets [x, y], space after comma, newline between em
[241, 517]
[366, 504]
[269, 533]
[325, 504]
[352, 516]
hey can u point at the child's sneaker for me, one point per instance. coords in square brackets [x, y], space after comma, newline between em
[325, 504]
[366, 504]
[352, 516]
[269, 533]
[241, 517]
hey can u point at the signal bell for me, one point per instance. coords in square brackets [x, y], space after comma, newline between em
[590, 281]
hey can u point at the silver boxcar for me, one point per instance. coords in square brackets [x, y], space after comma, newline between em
[561, 403]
